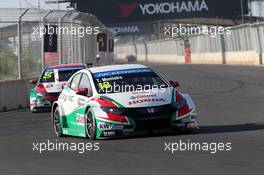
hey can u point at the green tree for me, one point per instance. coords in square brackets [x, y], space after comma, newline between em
[8, 64]
[28, 64]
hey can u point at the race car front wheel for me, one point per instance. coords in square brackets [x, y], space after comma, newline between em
[90, 126]
[56, 122]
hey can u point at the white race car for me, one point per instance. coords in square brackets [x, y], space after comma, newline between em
[115, 100]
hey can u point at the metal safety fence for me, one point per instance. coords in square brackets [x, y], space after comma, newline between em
[242, 38]
[22, 40]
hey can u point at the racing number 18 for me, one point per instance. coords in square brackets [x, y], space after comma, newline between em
[105, 85]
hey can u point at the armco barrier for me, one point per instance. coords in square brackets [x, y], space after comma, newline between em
[14, 95]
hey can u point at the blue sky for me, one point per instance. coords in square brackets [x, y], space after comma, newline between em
[29, 3]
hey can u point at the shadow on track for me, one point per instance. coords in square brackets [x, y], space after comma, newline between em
[211, 129]
[230, 128]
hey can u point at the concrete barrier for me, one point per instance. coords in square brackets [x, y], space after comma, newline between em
[14, 95]
[206, 58]
[166, 58]
[243, 58]
[120, 57]
[238, 58]
[142, 57]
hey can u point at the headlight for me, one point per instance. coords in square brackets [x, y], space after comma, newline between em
[113, 110]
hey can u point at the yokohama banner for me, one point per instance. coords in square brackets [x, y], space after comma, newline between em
[114, 11]
[128, 29]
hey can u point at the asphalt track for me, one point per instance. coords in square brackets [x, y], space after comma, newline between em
[229, 101]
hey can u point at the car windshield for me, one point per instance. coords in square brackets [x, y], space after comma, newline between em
[127, 81]
[64, 74]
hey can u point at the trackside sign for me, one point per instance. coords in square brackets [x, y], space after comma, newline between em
[173, 7]
[126, 29]
[115, 11]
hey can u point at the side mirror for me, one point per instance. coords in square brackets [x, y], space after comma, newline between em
[174, 83]
[82, 91]
[33, 81]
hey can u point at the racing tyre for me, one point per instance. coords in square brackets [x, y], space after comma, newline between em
[56, 122]
[90, 126]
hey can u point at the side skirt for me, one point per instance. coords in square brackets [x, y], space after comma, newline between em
[73, 132]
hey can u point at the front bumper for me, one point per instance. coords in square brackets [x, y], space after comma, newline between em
[140, 119]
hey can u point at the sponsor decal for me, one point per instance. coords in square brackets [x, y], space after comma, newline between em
[143, 96]
[66, 97]
[173, 7]
[146, 96]
[118, 127]
[111, 78]
[127, 9]
[125, 29]
[131, 28]
[124, 11]
[164, 7]
[140, 92]
[80, 118]
[146, 101]
[103, 126]
[109, 133]
[121, 72]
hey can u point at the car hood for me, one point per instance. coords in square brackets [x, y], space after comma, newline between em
[140, 98]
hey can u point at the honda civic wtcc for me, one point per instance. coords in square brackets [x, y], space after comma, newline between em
[49, 85]
[116, 100]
